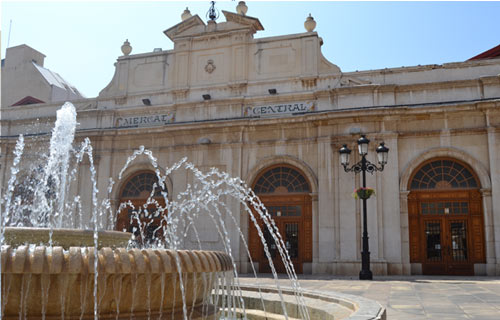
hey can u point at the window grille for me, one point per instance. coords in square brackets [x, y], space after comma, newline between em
[443, 174]
[281, 179]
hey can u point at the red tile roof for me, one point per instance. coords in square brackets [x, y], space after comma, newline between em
[27, 100]
[492, 53]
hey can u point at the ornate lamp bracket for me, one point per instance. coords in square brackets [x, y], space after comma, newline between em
[363, 165]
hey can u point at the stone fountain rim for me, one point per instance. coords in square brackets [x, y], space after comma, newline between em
[18, 257]
[65, 237]
[80, 260]
[362, 308]
[59, 230]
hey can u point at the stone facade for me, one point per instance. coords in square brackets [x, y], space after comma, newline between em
[156, 100]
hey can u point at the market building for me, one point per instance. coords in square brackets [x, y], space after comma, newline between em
[275, 112]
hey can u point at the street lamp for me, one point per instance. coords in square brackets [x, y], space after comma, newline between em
[364, 166]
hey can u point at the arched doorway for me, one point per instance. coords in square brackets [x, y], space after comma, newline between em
[142, 206]
[446, 225]
[285, 192]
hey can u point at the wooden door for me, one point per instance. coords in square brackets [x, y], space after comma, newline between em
[458, 245]
[291, 231]
[445, 218]
[434, 238]
[292, 217]
[449, 238]
[446, 246]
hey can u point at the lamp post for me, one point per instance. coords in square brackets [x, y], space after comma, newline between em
[364, 166]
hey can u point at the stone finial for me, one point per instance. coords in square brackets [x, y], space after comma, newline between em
[186, 14]
[310, 24]
[126, 48]
[241, 8]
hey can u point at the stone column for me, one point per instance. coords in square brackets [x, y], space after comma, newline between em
[405, 232]
[389, 207]
[315, 234]
[489, 234]
[323, 209]
[349, 212]
[494, 159]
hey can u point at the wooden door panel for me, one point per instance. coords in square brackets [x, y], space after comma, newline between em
[432, 249]
[415, 242]
[461, 231]
[307, 241]
[433, 269]
[414, 229]
[477, 235]
[253, 242]
[458, 245]
[284, 212]
[272, 249]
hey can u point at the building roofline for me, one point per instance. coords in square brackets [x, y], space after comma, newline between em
[25, 45]
[488, 54]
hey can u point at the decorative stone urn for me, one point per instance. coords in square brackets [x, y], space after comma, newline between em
[126, 48]
[241, 8]
[132, 283]
[186, 14]
[310, 24]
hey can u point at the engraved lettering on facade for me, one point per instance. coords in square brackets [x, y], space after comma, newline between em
[278, 109]
[145, 120]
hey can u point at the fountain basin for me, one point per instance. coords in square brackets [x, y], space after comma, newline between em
[142, 283]
[320, 304]
[66, 238]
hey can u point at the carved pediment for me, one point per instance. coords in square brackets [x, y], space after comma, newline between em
[252, 22]
[194, 26]
[181, 27]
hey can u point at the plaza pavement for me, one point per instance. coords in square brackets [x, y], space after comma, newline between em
[413, 297]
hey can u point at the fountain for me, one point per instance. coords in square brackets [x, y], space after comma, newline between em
[57, 264]
[51, 270]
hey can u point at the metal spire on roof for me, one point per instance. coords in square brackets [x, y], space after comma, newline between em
[213, 14]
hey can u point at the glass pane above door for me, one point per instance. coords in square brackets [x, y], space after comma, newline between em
[444, 208]
[285, 211]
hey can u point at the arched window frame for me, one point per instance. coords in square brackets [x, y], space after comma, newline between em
[267, 181]
[459, 174]
[151, 177]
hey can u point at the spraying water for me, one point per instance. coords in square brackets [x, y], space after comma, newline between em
[61, 145]
[44, 199]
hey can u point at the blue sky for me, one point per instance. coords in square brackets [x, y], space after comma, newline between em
[81, 40]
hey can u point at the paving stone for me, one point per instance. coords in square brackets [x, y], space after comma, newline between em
[443, 309]
[404, 316]
[420, 297]
[444, 316]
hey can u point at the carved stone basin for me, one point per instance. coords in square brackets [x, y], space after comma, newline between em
[144, 283]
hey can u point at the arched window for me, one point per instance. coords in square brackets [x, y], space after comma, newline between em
[281, 179]
[443, 174]
[141, 185]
